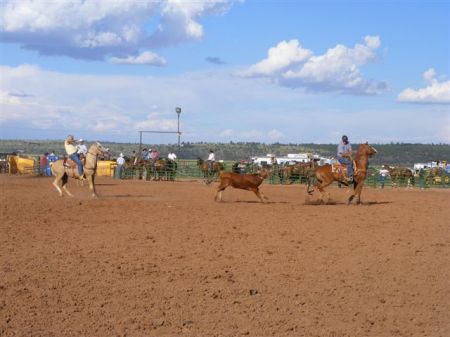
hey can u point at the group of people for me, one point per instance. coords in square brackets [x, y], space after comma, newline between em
[150, 154]
[146, 154]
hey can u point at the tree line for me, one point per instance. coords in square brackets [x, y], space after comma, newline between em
[401, 154]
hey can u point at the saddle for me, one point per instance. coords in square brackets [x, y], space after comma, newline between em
[69, 163]
[340, 170]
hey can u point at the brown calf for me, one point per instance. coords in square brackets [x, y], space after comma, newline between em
[249, 182]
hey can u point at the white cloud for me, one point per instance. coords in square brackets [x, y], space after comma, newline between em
[252, 134]
[275, 134]
[103, 28]
[435, 93]
[372, 41]
[147, 57]
[338, 70]
[227, 133]
[284, 54]
[156, 124]
[7, 99]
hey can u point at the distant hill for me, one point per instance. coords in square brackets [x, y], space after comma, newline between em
[394, 154]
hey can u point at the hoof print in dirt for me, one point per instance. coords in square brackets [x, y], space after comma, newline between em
[158, 322]
[253, 291]
[188, 323]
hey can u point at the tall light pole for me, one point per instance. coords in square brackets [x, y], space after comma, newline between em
[178, 111]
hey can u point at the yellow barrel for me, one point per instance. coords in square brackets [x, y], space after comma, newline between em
[21, 165]
[105, 168]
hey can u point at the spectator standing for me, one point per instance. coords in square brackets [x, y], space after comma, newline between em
[383, 173]
[422, 179]
[155, 155]
[51, 158]
[120, 162]
[242, 167]
[43, 164]
[172, 156]
[144, 153]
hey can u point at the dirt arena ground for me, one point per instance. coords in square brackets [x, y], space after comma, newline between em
[163, 259]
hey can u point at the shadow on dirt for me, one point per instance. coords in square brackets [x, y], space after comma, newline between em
[318, 202]
[119, 196]
[259, 202]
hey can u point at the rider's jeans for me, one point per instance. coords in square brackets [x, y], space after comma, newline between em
[77, 160]
[349, 164]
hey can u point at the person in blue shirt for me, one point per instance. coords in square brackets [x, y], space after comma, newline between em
[51, 158]
[344, 156]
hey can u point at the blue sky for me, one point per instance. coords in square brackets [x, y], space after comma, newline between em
[266, 71]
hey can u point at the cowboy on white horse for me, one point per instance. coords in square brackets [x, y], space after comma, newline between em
[72, 153]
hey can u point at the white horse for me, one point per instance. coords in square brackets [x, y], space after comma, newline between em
[62, 173]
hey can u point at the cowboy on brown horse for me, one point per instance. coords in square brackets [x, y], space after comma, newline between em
[326, 174]
[209, 170]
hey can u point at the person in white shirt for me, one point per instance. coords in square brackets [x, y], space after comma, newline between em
[383, 174]
[172, 156]
[211, 160]
[120, 162]
[81, 148]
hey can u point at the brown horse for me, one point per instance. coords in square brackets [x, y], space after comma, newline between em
[62, 172]
[207, 174]
[326, 174]
[400, 174]
[298, 171]
[159, 169]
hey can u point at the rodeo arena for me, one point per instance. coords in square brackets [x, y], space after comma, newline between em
[275, 244]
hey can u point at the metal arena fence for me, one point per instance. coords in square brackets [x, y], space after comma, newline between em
[189, 170]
